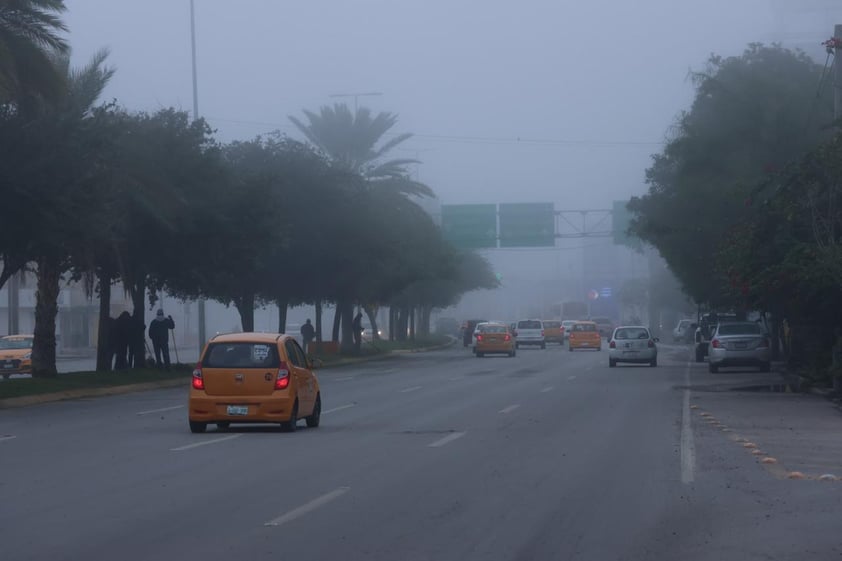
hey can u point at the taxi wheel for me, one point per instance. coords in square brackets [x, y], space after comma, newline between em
[612, 363]
[543, 345]
[570, 349]
[223, 425]
[314, 419]
[480, 355]
[198, 427]
[292, 424]
[513, 354]
[654, 362]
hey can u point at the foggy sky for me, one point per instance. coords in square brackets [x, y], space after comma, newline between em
[601, 79]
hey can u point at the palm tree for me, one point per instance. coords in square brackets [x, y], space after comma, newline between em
[352, 142]
[30, 37]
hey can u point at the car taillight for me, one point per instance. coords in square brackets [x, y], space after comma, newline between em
[198, 382]
[764, 343]
[479, 337]
[651, 343]
[612, 345]
[715, 344]
[507, 337]
[282, 380]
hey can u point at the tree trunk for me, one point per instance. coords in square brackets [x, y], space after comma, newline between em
[46, 310]
[245, 306]
[318, 321]
[337, 317]
[371, 312]
[105, 332]
[347, 344]
[392, 322]
[137, 339]
[403, 322]
[283, 304]
[412, 324]
[424, 321]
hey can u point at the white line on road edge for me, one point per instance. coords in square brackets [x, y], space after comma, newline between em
[412, 389]
[447, 439]
[509, 409]
[309, 507]
[547, 389]
[340, 408]
[7, 437]
[688, 449]
[205, 442]
[161, 410]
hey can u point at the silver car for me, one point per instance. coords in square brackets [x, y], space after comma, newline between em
[632, 343]
[739, 344]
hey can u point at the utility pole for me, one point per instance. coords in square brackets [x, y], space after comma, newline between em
[200, 320]
[357, 97]
[837, 72]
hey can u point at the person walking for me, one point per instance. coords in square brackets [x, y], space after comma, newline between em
[308, 333]
[159, 332]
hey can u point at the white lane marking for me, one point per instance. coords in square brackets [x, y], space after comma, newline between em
[412, 389]
[205, 442]
[7, 437]
[344, 378]
[308, 507]
[161, 410]
[688, 448]
[571, 377]
[447, 439]
[547, 389]
[509, 409]
[340, 408]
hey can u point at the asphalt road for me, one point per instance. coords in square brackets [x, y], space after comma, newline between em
[437, 456]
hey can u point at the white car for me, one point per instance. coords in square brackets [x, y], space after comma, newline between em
[740, 343]
[530, 332]
[680, 330]
[632, 343]
[568, 327]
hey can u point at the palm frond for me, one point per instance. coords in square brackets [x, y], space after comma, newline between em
[380, 152]
[403, 185]
[392, 168]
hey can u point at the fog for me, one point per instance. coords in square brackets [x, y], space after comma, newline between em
[557, 100]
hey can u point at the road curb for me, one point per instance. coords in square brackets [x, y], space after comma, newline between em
[27, 400]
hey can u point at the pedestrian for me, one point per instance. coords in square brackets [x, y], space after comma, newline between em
[308, 333]
[358, 331]
[122, 340]
[159, 332]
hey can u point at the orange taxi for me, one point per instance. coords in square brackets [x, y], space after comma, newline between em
[494, 338]
[16, 355]
[553, 331]
[584, 335]
[254, 378]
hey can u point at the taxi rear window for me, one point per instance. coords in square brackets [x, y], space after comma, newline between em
[493, 329]
[552, 324]
[584, 327]
[241, 355]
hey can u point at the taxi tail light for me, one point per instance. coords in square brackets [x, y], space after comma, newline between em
[479, 337]
[715, 344]
[507, 337]
[651, 343]
[282, 380]
[612, 345]
[198, 381]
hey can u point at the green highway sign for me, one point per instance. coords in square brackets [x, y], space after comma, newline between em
[470, 226]
[527, 225]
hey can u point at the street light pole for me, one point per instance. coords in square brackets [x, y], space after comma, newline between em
[200, 320]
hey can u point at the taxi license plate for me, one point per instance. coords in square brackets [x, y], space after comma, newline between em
[238, 410]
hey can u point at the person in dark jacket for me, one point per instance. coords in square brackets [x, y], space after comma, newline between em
[159, 332]
[308, 333]
[122, 339]
[358, 331]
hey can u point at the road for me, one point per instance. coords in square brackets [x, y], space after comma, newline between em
[432, 456]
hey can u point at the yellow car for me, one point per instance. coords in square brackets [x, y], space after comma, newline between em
[584, 335]
[553, 332]
[254, 378]
[16, 355]
[494, 338]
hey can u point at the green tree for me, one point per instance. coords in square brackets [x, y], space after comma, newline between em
[30, 37]
[752, 114]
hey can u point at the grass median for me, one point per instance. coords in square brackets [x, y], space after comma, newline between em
[373, 349]
[19, 387]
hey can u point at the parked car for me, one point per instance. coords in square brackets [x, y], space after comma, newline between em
[584, 335]
[634, 344]
[741, 343]
[494, 338]
[530, 332]
[678, 333]
[253, 378]
[604, 325]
